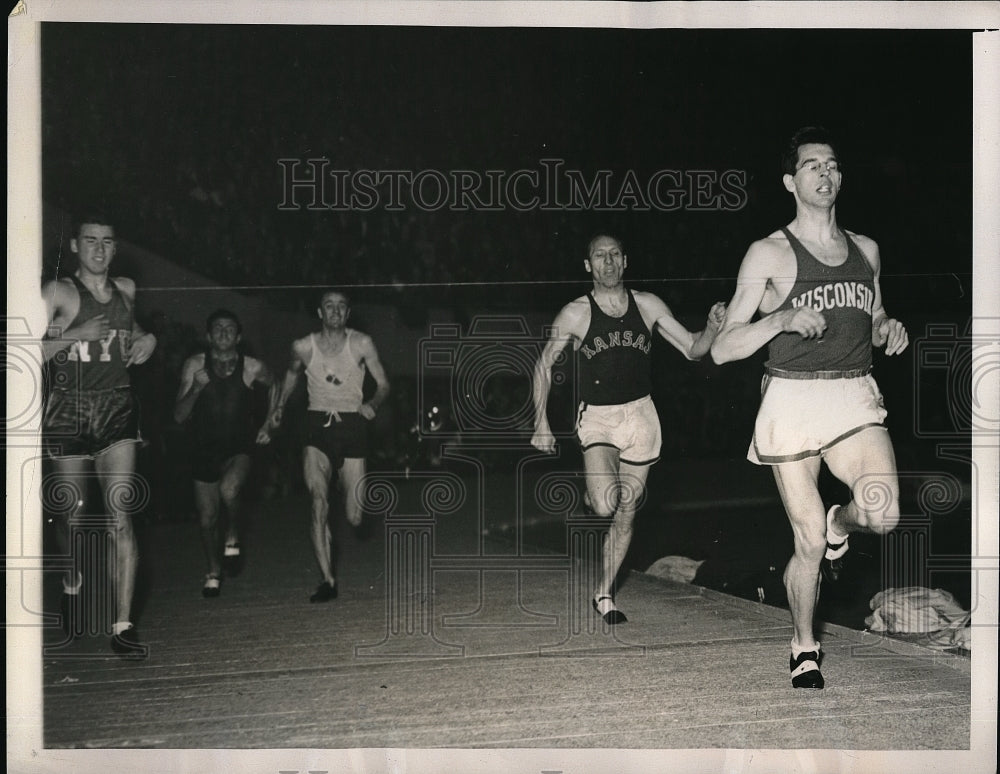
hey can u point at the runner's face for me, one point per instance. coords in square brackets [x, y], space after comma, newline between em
[224, 335]
[817, 175]
[606, 262]
[334, 310]
[95, 247]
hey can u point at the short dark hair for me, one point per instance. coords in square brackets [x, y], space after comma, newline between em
[324, 293]
[223, 314]
[96, 218]
[604, 235]
[807, 135]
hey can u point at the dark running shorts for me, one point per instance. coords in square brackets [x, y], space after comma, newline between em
[338, 440]
[85, 423]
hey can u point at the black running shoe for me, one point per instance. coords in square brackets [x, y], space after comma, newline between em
[127, 645]
[611, 614]
[805, 670]
[832, 569]
[324, 593]
[832, 565]
[212, 587]
[232, 560]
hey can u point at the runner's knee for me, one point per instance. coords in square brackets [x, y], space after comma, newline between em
[602, 507]
[604, 502]
[884, 521]
[810, 545]
[229, 491]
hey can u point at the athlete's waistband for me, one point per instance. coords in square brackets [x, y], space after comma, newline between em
[332, 415]
[314, 410]
[585, 404]
[852, 373]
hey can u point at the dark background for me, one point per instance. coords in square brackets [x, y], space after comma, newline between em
[176, 130]
[145, 119]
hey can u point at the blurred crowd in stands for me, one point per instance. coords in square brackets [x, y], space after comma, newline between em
[190, 165]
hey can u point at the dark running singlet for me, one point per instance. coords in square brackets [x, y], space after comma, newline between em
[222, 419]
[96, 365]
[844, 295]
[613, 358]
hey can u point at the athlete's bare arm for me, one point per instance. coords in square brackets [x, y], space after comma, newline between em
[194, 377]
[301, 352]
[570, 324]
[366, 349]
[739, 337]
[694, 346]
[143, 343]
[256, 372]
[886, 331]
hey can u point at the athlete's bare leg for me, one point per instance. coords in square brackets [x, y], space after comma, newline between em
[68, 490]
[206, 502]
[115, 469]
[615, 489]
[317, 471]
[797, 484]
[867, 464]
[631, 485]
[235, 472]
[351, 473]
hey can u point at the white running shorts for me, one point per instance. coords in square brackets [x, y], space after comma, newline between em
[633, 428]
[800, 418]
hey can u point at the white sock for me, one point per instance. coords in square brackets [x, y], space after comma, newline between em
[75, 589]
[121, 626]
[798, 650]
[605, 603]
[832, 536]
